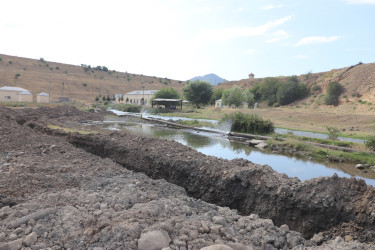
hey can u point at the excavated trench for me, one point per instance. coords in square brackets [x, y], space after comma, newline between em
[308, 207]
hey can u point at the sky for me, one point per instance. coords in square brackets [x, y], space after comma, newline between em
[180, 39]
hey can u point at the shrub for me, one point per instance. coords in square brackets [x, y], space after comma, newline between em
[290, 91]
[17, 75]
[316, 88]
[84, 84]
[249, 123]
[41, 59]
[333, 133]
[370, 143]
[10, 62]
[334, 90]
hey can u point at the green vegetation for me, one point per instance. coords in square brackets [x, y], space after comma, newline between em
[335, 89]
[166, 93]
[84, 84]
[370, 143]
[333, 133]
[198, 92]
[236, 96]
[249, 123]
[195, 123]
[124, 107]
[17, 75]
[218, 93]
[10, 62]
[276, 92]
[41, 59]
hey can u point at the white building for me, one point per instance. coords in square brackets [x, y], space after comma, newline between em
[139, 97]
[15, 94]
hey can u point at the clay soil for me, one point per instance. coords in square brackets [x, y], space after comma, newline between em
[63, 190]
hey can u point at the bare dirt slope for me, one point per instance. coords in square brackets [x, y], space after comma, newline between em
[44, 76]
[63, 191]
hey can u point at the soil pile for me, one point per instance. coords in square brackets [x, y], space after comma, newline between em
[55, 194]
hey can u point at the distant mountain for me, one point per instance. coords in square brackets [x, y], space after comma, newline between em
[211, 78]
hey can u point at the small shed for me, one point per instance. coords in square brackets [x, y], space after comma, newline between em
[42, 97]
[218, 103]
[167, 103]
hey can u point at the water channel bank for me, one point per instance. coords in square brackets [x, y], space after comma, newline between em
[288, 160]
[61, 189]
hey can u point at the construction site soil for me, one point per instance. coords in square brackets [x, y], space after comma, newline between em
[61, 190]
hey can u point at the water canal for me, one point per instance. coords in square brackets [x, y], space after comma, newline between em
[220, 146]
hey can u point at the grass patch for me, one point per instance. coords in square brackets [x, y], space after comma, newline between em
[71, 130]
[196, 123]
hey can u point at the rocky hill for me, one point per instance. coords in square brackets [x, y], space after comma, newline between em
[80, 83]
[358, 81]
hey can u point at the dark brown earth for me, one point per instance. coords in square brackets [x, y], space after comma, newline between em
[71, 191]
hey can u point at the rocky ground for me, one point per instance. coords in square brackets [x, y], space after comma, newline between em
[61, 191]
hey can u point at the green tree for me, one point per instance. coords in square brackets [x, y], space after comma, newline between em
[218, 93]
[335, 89]
[290, 91]
[268, 90]
[97, 98]
[166, 93]
[233, 96]
[198, 92]
[249, 98]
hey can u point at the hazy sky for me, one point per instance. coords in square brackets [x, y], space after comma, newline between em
[180, 39]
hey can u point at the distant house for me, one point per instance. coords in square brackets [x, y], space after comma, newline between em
[251, 76]
[139, 97]
[42, 97]
[15, 94]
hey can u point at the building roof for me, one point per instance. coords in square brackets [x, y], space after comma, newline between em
[43, 94]
[141, 92]
[13, 88]
[26, 92]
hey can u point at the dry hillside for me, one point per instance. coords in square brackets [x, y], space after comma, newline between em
[358, 81]
[73, 81]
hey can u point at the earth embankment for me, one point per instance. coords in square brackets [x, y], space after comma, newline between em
[64, 190]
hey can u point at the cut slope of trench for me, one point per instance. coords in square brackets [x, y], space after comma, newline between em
[308, 207]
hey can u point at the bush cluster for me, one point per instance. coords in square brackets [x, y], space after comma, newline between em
[277, 92]
[125, 107]
[249, 123]
[335, 89]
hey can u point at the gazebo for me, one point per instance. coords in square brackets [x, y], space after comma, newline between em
[167, 103]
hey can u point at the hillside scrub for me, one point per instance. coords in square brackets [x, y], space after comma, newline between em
[249, 123]
[276, 92]
[335, 89]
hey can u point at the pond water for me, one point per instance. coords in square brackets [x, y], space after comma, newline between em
[220, 146]
[277, 130]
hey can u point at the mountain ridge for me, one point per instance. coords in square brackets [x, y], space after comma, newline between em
[212, 78]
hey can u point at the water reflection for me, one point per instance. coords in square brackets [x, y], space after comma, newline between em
[219, 146]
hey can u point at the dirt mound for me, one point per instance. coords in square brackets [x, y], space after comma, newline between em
[56, 195]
